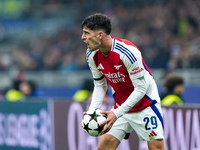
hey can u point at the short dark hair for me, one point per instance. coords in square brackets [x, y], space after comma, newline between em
[98, 21]
[173, 80]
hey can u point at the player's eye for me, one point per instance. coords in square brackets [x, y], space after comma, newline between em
[85, 32]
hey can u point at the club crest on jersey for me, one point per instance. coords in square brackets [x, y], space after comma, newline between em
[100, 67]
[117, 66]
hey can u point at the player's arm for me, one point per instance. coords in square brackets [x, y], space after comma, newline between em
[100, 84]
[140, 82]
[99, 92]
[140, 87]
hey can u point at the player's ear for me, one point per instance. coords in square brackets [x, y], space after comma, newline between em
[100, 34]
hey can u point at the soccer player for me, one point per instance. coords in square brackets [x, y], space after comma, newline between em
[137, 103]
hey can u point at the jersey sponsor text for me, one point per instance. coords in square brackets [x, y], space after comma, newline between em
[115, 77]
[136, 70]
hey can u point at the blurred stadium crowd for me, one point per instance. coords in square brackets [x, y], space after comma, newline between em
[46, 34]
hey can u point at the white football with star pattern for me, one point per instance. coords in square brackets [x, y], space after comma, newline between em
[91, 120]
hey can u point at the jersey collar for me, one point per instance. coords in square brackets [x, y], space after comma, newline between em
[113, 44]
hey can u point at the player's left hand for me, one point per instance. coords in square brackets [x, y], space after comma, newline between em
[111, 118]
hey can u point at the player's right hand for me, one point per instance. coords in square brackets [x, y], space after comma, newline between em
[111, 118]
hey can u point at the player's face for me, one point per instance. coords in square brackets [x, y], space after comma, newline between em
[91, 38]
[179, 89]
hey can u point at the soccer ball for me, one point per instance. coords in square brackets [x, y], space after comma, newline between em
[91, 120]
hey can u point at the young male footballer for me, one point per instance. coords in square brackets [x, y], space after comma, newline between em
[137, 104]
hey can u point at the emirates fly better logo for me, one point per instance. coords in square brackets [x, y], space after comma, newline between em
[115, 77]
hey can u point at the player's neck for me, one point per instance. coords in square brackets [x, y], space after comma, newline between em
[106, 45]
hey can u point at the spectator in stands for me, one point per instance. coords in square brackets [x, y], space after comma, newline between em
[173, 88]
[84, 92]
[21, 90]
[163, 42]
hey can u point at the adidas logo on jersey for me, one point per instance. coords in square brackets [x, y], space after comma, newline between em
[152, 134]
[117, 66]
[100, 67]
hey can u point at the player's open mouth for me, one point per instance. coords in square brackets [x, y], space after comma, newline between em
[87, 44]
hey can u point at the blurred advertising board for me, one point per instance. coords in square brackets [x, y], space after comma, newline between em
[56, 126]
[24, 126]
[181, 131]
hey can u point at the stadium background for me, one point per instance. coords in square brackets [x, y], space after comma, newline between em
[40, 41]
